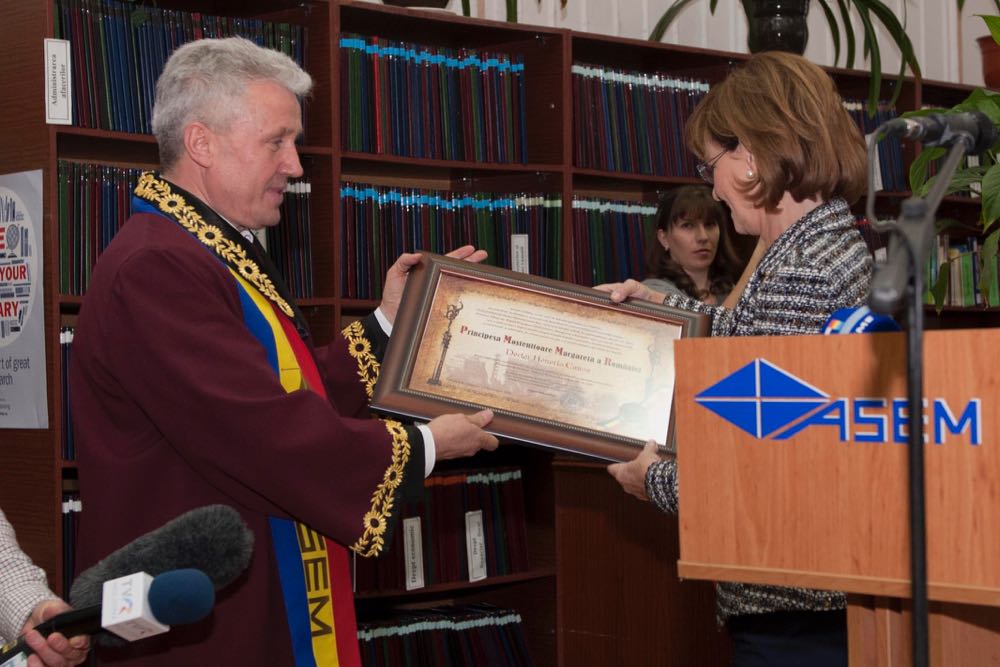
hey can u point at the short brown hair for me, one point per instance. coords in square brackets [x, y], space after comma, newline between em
[787, 112]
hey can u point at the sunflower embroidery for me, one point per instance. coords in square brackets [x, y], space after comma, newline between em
[371, 541]
[158, 191]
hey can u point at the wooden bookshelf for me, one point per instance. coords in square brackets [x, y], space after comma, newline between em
[603, 587]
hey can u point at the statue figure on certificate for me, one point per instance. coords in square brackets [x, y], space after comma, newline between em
[450, 314]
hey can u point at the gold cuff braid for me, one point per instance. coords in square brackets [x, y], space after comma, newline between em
[372, 540]
[376, 519]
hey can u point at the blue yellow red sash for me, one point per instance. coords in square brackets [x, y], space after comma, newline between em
[314, 572]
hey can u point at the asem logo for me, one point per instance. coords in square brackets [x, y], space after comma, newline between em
[770, 403]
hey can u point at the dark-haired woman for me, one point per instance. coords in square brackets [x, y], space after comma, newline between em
[691, 253]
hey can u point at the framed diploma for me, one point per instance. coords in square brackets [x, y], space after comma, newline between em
[560, 365]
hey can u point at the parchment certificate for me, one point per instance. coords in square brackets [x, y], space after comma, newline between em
[554, 359]
[558, 363]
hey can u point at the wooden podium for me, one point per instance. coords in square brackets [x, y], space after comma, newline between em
[793, 471]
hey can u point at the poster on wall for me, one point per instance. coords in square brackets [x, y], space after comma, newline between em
[23, 398]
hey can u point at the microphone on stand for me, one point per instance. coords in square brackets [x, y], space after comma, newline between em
[973, 128]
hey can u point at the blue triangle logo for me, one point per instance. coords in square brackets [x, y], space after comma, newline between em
[742, 383]
[776, 383]
[761, 398]
[738, 413]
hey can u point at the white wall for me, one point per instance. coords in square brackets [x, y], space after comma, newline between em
[944, 41]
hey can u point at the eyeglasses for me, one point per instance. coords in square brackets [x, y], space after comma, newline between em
[707, 169]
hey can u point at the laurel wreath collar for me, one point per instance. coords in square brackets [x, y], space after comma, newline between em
[170, 199]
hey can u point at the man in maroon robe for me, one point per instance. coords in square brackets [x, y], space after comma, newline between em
[181, 395]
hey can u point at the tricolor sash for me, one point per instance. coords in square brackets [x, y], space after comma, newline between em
[314, 572]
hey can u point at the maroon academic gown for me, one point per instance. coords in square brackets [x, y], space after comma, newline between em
[176, 407]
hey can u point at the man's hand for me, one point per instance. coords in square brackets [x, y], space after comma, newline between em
[456, 435]
[632, 474]
[395, 277]
[630, 288]
[54, 650]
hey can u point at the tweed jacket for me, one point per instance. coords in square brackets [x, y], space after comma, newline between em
[819, 264]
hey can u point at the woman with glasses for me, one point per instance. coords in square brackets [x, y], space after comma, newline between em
[780, 150]
[690, 253]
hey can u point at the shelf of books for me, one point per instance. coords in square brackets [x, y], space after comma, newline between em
[425, 131]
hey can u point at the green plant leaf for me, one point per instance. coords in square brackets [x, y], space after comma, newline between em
[991, 196]
[668, 17]
[834, 29]
[964, 179]
[940, 288]
[512, 11]
[896, 30]
[980, 99]
[988, 267]
[993, 23]
[918, 170]
[872, 51]
[845, 16]
[466, 8]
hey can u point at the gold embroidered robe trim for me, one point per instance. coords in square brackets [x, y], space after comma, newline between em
[158, 191]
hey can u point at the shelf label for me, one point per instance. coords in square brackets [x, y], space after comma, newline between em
[475, 545]
[413, 553]
[519, 253]
[58, 84]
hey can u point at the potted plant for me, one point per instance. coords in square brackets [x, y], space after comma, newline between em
[990, 46]
[980, 177]
[789, 17]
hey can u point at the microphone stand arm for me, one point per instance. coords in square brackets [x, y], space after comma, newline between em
[913, 234]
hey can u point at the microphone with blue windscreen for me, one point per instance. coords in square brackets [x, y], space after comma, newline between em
[860, 319]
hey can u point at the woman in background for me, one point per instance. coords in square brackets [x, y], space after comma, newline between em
[691, 253]
[780, 150]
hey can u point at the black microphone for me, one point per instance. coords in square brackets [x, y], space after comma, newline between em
[973, 128]
[213, 539]
[133, 607]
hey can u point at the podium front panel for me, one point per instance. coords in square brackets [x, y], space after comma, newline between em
[792, 456]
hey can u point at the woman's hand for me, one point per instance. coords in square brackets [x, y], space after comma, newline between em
[632, 474]
[631, 289]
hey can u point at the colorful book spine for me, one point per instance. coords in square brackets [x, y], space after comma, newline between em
[93, 202]
[471, 634]
[425, 101]
[633, 121]
[610, 239]
[379, 223]
[119, 49]
[289, 244]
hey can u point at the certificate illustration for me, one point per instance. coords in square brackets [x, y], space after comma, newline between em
[560, 365]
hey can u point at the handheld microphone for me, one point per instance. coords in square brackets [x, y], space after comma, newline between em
[973, 128]
[213, 539]
[133, 607]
